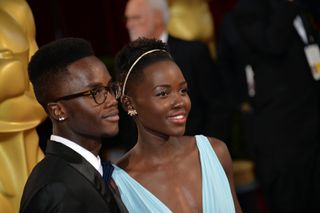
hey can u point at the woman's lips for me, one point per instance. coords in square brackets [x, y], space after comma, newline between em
[178, 119]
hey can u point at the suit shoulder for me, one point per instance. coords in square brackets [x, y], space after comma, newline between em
[185, 43]
[43, 198]
[47, 171]
[49, 167]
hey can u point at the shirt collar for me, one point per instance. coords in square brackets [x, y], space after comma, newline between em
[298, 24]
[89, 156]
[164, 37]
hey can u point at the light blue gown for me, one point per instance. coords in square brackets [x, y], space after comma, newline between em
[216, 193]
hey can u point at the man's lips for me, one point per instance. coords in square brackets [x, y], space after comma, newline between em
[112, 116]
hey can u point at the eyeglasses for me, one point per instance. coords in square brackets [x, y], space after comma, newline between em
[99, 94]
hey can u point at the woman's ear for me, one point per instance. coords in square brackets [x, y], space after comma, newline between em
[128, 106]
[56, 111]
[125, 102]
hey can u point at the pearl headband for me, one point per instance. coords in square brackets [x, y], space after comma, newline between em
[134, 63]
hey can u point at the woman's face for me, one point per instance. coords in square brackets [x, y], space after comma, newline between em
[161, 99]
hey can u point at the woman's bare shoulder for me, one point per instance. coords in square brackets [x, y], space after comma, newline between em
[218, 145]
[222, 151]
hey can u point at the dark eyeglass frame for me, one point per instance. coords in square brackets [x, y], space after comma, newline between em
[107, 90]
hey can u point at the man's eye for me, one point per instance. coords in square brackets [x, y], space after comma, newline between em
[96, 91]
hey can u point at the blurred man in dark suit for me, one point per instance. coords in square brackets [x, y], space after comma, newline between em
[264, 51]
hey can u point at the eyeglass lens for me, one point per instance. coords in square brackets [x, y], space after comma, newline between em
[100, 94]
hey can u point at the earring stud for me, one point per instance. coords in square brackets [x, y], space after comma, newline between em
[132, 112]
[61, 118]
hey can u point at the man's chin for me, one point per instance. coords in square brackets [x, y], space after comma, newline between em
[135, 36]
[110, 133]
[132, 38]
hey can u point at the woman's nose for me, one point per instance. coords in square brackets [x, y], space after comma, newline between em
[178, 101]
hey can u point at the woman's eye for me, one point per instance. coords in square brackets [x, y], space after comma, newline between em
[184, 91]
[161, 93]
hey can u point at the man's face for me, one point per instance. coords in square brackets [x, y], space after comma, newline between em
[84, 117]
[139, 19]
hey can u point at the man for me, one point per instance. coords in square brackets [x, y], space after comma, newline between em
[75, 89]
[266, 44]
[149, 18]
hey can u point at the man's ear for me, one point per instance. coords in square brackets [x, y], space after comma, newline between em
[56, 111]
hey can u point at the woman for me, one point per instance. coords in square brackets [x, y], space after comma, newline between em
[166, 171]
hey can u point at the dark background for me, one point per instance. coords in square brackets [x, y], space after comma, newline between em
[99, 21]
[102, 23]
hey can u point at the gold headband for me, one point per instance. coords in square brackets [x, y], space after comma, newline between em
[134, 63]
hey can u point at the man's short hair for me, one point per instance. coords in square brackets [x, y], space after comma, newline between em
[161, 5]
[51, 60]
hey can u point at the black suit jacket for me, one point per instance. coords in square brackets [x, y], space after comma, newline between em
[283, 126]
[284, 123]
[207, 115]
[65, 182]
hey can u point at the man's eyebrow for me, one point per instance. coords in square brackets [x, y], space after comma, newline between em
[97, 84]
[93, 85]
[132, 17]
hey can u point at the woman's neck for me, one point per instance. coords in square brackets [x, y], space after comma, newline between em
[156, 149]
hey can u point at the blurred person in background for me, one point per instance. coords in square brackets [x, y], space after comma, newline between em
[269, 54]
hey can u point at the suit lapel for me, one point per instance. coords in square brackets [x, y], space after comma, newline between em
[78, 163]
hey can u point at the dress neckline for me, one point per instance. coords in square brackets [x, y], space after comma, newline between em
[118, 169]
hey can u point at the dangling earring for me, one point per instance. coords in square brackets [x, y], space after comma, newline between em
[132, 112]
[61, 118]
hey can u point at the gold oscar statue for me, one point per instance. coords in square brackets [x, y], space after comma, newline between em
[192, 20]
[20, 113]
